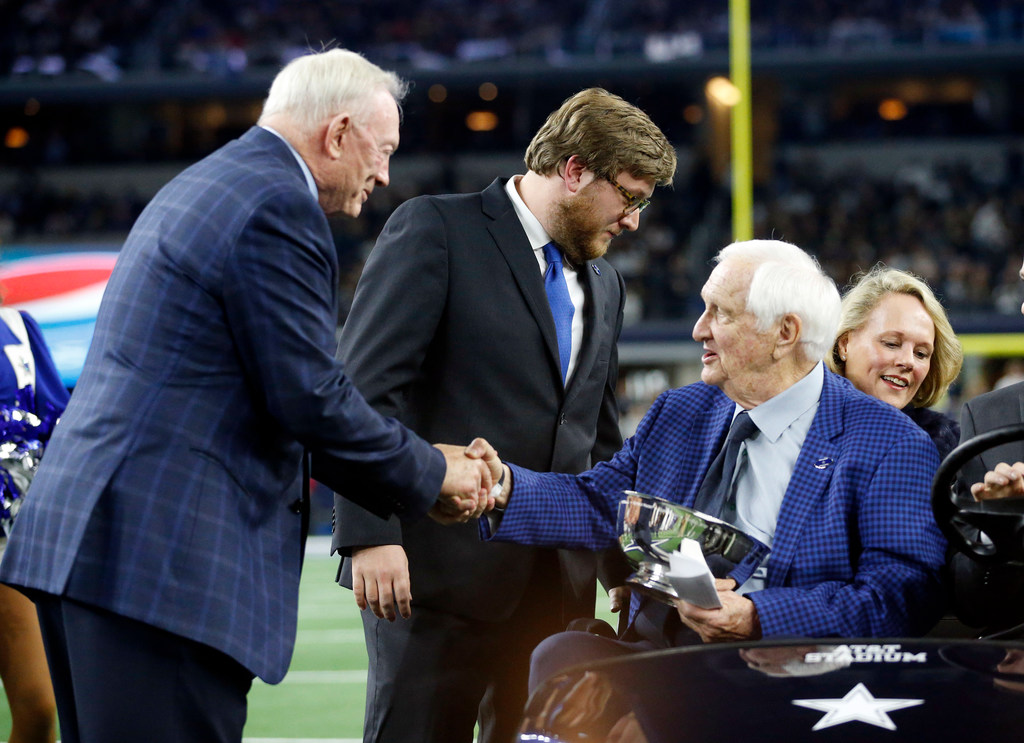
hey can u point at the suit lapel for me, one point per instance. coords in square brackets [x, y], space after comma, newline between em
[1005, 452]
[810, 480]
[709, 431]
[595, 287]
[508, 235]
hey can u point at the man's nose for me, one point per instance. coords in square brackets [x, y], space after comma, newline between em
[631, 221]
[384, 174]
[700, 328]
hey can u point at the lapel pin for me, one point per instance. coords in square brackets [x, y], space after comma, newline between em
[597, 271]
[824, 463]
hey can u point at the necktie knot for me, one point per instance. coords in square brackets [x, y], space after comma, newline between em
[553, 256]
[717, 485]
[743, 427]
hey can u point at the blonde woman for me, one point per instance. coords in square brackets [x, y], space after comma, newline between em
[895, 343]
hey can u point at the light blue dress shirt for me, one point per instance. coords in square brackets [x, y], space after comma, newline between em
[766, 461]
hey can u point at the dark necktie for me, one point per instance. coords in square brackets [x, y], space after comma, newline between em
[715, 489]
[561, 306]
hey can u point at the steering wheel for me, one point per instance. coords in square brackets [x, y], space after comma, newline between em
[988, 532]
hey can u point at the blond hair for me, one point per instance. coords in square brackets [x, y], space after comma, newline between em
[609, 135]
[860, 301]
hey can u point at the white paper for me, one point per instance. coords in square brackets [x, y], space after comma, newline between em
[690, 575]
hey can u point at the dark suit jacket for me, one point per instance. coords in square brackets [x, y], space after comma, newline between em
[1003, 407]
[990, 596]
[168, 491]
[450, 331]
[856, 551]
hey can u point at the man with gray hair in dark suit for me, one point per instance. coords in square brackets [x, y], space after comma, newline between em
[163, 536]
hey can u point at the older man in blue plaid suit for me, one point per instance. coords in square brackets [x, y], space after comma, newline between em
[835, 481]
[162, 536]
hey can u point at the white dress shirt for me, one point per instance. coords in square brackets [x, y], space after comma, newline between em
[538, 238]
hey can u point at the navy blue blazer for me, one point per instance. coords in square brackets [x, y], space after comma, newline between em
[169, 488]
[856, 551]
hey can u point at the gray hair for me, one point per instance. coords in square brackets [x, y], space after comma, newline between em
[319, 85]
[787, 280]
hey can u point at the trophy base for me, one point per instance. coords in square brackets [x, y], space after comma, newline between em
[649, 579]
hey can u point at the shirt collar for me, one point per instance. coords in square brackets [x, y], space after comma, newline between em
[535, 233]
[774, 416]
[310, 183]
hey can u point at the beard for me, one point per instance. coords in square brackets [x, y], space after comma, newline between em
[578, 230]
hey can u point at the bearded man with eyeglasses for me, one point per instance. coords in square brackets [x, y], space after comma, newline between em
[493, 312]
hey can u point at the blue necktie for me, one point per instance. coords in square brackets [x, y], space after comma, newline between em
[717, 485]
[561, 306]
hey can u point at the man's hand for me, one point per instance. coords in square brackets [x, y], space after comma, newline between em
[487, 453]
[380, 580]
[1005, 481]
[498, 469]
[465, 492]
[618, 599]
[735, 620]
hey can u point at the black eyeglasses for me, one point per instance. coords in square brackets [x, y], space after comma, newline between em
[634, 203]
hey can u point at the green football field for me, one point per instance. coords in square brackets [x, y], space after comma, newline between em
[321, 698]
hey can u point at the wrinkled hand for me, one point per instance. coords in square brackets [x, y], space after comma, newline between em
[1005, 481]
[380, 580]
[618, 599]
[489, 456]
[466, 490]
[735, 620]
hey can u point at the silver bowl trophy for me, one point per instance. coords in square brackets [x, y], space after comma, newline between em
[651, 528]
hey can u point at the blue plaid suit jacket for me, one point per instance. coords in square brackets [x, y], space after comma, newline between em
[856, 551]
[169, 488]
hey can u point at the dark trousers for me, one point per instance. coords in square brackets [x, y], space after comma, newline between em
[432, 676]
[117, 679]
[656, 626]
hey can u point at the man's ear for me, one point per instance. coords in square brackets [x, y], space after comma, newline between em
[573, 174]
[338, 129]
[789, 331]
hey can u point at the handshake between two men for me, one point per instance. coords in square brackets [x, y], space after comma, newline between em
[470, 486]
[477, 481]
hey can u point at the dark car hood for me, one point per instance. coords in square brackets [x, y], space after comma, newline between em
[799, 690]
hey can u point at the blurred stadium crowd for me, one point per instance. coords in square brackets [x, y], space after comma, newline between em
[943, 222]
[108, 37]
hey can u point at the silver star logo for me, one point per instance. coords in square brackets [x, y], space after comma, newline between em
[634, 545]
[857, 705]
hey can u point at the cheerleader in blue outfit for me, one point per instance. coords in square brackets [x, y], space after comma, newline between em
[32, 398]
